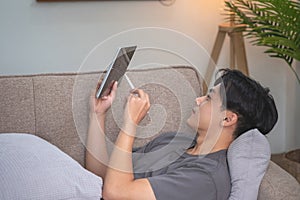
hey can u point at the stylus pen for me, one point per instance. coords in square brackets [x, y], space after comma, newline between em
[129, 82]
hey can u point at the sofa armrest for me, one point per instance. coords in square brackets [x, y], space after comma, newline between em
[278, 184]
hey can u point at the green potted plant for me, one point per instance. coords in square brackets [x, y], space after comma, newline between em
[274, 24]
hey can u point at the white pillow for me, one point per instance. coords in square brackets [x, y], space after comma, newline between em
[248, 158]
[32, 168]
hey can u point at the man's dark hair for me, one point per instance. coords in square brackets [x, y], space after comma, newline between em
[252, 103]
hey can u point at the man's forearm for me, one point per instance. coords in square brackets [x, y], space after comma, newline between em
[120, 170]
[121, 157]
[120, 182]
[96, 154]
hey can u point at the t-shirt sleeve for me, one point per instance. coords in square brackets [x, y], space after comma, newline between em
[184, 183]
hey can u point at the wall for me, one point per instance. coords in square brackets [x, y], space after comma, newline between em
[56, 37]
[293, 111]
[297, 110]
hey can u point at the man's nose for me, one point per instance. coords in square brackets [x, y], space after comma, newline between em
[199, 100]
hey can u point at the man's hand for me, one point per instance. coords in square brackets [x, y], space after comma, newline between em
[138, 105]
[96, 155]
[101, 105]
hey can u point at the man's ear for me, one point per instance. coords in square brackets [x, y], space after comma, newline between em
[230, 119]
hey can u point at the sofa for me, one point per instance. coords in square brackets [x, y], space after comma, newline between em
[55, 107]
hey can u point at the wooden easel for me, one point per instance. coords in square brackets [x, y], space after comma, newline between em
[238, 58]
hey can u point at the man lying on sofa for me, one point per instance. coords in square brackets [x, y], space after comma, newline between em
[235, 105]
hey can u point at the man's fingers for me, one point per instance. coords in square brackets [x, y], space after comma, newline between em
[99, 83]
[140, 93]
[114, 90]
[148, 100]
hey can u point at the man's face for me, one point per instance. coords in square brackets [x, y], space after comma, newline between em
[208, 113]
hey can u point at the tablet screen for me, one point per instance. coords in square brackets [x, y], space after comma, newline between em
[116, 70]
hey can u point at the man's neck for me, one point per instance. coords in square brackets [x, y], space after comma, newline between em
[206, 144]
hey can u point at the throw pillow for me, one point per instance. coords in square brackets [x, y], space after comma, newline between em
[248, 158]
[32, 168]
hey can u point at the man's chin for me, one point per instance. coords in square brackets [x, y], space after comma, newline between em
[190, 123]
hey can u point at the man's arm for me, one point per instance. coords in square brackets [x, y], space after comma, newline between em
[96, 158]
[120, 182]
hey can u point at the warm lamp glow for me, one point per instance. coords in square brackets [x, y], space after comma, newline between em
[225, 12]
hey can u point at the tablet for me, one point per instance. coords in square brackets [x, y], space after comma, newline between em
[116, 70]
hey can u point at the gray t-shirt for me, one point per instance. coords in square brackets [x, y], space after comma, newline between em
[174, 174]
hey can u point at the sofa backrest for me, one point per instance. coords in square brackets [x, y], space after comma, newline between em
[55, 106]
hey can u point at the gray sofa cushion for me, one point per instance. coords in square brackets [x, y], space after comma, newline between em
[32, 168]
[248, 158]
